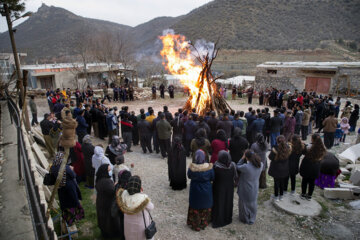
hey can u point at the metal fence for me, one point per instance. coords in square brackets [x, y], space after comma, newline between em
[37, 211]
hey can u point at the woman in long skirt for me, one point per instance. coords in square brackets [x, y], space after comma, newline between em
[223, 190]
[249, 169]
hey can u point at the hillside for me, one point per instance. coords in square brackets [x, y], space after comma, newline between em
[49, 34]
[51, 31]
[272, 24]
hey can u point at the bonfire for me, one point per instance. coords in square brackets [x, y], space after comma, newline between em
[193, 67]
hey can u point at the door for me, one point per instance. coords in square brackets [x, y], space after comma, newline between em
[46, 81]
[320, 85]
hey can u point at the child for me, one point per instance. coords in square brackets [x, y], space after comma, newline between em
[338, 135]
[345, 126]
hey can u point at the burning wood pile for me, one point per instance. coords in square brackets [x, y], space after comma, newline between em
[184, 59]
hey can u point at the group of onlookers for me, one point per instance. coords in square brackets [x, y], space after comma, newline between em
[227, 151]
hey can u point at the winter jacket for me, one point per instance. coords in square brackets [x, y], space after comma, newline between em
[298, 117]
[330, 124]
[68, 139]
[144, 128]
[279, 168]
[163, 128]
[306, 118]
[275, 124]
[82, 125]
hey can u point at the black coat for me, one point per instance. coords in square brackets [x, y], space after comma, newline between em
[329, 165]
[144, 128]
[223, 197]
[88, 152]
[309, 168]
[275, 124]
[177, 168]
[109, 224]
[354, 117]
[294, 160]
[279, 168]
[212, 122]
[237, 148]
[178, 127]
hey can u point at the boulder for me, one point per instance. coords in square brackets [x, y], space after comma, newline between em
[338, 193]
[351, 154]
[355, 176]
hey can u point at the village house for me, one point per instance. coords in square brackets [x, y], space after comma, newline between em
[322, 77]
[73, 75]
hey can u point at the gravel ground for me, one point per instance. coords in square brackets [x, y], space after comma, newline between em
[171, 206]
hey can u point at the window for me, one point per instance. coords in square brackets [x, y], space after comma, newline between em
[271, 71]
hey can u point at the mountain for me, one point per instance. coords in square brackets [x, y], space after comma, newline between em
[50, 33]
[272, 24]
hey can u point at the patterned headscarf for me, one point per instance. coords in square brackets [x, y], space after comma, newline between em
[87, 139]
[116, 147]
[59, 157]
[134, 185]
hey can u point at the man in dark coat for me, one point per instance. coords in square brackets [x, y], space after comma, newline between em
[168, 115]
[82, 126]
[162, 91]
[171, 91]
[226, 125]
[257, 126]
[126, 129]
[212, 122]
[155, 133]
[94, 119]
[88, 118]
[101, 120]
[144, 128]
[135, 132]
[153, 91]
[163, 128]
[189, 133]
[275, 127]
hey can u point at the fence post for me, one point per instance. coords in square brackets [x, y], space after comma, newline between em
[19, 152]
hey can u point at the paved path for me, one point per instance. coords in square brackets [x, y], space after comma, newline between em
[15, 221]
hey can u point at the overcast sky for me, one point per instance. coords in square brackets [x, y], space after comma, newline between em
[128, 12]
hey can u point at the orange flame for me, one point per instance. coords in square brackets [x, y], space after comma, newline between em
[180, 62]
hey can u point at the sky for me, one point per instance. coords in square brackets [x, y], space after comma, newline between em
[128, 12]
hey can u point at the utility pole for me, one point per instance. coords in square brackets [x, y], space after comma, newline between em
[19, 82]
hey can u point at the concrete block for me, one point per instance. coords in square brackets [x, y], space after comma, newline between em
[40, 156]
[351, 154]
[345, 171]
[338, 193]
[355, 204]
[352, 166]
[355, 177]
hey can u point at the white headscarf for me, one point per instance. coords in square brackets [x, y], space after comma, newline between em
[99, 158]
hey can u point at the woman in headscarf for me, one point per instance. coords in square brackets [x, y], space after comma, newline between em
[200, 142]
[88, 151]
[107, 222]
[223, 190]
[136, 207]
[249, 169]
[115, 149]
[260, 147]
[219, 143]
[354, 117]
[123, 179]
[237, 145]
[77, 161]
[68, 192]
[177, 165]
[201, 174]
[99, 159]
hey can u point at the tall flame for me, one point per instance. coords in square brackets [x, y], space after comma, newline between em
[181, 62]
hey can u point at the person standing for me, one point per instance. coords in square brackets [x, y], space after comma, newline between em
[279, 166]
[48, 127]
[201, 175]
[305, 123]
[177, 165]
[136, 207]
[257, 126]
[33, 110]
[310, 166]
[88, 152]
[131, 93]
[275, 127]
[218, 144]
[81, 127]
[226, 125]
[354, 117]
[223, 190]
[237, 145]
[68, 192]
[298, 149]
[153, 90]
[298, 117]
[111, 122]
[250, 93]
[163, 128]
[135, 131]
[88, 118]
[162, 90]
[200, 142]
[126, 129]
[212, 122]
[249, 169]
[145, 134]
[330, 125]
[289, 125]
[260, 147]
[189, 133]
[171, 91]
[94, 120]
[329, 170]
[68, 136]
[233, 93]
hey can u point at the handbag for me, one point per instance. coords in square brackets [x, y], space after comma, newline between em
[151, 229]
[49, 179]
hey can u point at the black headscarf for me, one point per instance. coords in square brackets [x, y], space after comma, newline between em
[224, 162]
[134, 185]
[124, 177]
[102, 172]
[177, 144]
[221, 135]
[237, 133]
[200, 137]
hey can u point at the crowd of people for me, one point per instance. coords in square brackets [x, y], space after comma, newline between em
[227, 151]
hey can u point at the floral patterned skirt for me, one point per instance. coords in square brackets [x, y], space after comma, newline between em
[198, 218]
[70, 215]
[325, 181]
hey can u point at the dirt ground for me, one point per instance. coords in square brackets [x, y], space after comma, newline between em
[336, 221]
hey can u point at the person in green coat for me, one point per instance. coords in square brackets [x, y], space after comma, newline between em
[163, 129]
